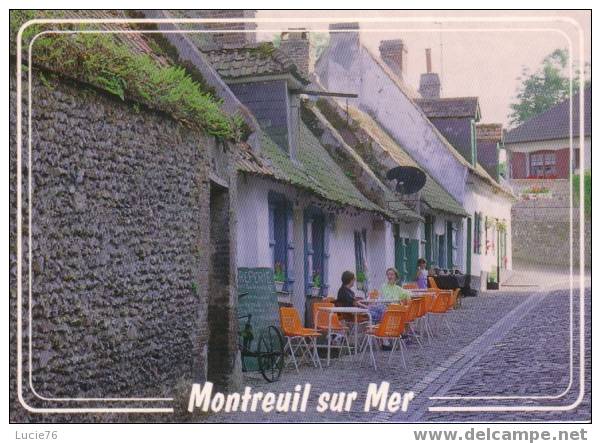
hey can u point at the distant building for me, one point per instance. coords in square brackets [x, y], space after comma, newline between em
[540, 147]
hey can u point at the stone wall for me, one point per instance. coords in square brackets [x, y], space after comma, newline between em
[541, 224]
[120, 250]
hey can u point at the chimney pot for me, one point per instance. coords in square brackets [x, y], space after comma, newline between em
[344, 26]
[428, 60]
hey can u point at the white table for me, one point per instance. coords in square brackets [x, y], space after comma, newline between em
[351, 310]
[380, 300]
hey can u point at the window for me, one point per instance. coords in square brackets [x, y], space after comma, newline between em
[441, 251]
[452, 257]
[428, 243]
[361, 259]
[316, 252]
[486, 237]
[543, 165]
[422, 242]
[280, 236]
[478, 233]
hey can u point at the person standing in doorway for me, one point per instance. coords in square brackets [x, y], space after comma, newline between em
[422, 274]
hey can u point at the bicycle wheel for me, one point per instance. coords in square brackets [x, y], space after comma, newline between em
[270, 354]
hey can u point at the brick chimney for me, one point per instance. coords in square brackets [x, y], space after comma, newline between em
[295, 43]
[230, 39]
[429, 82]
[394, 54]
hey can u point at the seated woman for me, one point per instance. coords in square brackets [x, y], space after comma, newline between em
[390, 292]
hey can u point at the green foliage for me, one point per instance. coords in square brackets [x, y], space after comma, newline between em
[361, 277]
[278, 272]
[316, 280]
[103, 61]
[546, 87]
[588, 189]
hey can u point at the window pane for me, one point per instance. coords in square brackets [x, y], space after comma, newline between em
[550, 158]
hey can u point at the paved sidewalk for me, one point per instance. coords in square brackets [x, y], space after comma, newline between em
[479, 324]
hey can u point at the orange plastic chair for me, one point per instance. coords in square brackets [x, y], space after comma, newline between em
[322, 321]
[455, 298]
[410, 286]
[398, 307]
[390, 328]
[435, 287]
[298, 338]
[412, 318]
[441, 306]
[425, 305]
[432, 282]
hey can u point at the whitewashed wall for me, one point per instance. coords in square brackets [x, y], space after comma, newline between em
[253, 237]
[492, 206]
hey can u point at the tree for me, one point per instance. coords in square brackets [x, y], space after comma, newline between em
[546, 87]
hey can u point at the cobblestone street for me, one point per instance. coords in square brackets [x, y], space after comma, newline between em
[507, 344]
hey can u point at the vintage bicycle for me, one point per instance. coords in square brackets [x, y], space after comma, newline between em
[269, 350]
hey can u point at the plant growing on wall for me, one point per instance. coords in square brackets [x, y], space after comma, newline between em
[316, 279]
[104, 61]
[279, 274]
[361, 277]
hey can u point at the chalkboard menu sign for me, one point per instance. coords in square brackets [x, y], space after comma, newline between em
[258, 298]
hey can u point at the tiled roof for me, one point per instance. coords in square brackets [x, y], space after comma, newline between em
[433, 194]
[251, 163]
[449, 107]
[252, 61]
[554, 123]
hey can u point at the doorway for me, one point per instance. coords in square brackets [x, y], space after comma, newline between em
[222, 327]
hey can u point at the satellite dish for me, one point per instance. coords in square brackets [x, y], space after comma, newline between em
[409, 179]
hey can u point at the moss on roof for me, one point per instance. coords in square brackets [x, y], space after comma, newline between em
[356, 167]
[433, 194]
[315, 171]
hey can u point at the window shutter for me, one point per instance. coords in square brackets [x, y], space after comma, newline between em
[272, 233]
[290, 248]
[450, 263]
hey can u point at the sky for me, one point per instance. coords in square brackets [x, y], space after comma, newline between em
[474, 55]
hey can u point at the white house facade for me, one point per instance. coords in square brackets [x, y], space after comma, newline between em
[346, 65]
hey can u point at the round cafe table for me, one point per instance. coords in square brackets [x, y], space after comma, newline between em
[340, 310]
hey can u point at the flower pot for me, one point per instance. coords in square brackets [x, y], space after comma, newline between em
[492, 285]
[315, 291]
[279, 286]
